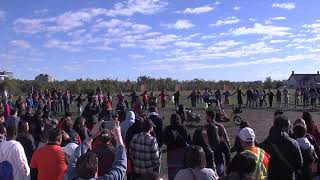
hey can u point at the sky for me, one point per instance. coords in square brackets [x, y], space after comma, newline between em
[237, 40]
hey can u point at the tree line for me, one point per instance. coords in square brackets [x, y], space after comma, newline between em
[16, 86]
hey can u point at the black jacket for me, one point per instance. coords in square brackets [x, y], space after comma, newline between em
[279, 141]
[158, 129]
[176, 136]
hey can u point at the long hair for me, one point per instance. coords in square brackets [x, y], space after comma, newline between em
[194, 157]
[200, 138]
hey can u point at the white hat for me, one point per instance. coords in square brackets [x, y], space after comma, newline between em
[247, 134]
[69, 148]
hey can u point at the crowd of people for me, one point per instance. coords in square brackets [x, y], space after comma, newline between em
[129, 141]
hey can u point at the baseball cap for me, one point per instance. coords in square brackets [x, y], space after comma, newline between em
[148, 124]
[69, 148]
[247, 134]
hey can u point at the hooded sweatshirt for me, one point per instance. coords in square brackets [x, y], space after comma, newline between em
[130, 119]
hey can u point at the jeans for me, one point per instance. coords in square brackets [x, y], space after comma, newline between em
[220, 169]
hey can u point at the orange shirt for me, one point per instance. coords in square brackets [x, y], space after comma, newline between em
[50, 162]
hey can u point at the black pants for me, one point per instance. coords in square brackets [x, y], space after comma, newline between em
[163, 103]
[144, 105]
[66, 108]
[270, 102]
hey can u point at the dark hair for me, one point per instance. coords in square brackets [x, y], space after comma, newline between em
[150, 176]
[194, 157]
[11, 132]
[68, 114]
[13, 111]
[281, 122]
[278, 112]
[54, 135]
[211, 114]
[78, 121]
[243, 164]
[105, 136]
[299, 131]
[2, 129]
[213, 136]
[244, 124]
[307, 117]
[175, 120]
[20, 125]
[153, 109]
[200, 138]
[87, 165]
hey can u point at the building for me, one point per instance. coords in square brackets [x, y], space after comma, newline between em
[44, 77]
[6, 75]
[304, 80]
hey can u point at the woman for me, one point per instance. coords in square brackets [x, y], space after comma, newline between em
[26, 139]
[80, 127]
[176, 137]
[195, 163]
[312, 127]
[200, 138]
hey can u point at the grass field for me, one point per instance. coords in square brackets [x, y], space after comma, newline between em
[260, 119]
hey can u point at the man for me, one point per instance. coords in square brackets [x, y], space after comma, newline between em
[28, 116]
[13, 119]
[249, 94]
[144, 151]
[285, 155]
[84, 164]
[49, 162]
[193, 98]
[163, 97]
[270, 95]
[219, 142]
[13, 152]
[105, 153]
[66, 102]
[176, 96]
[154, 116]
[247, 139]
[29, 101]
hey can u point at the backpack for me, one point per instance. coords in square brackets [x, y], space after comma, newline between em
[6, 170]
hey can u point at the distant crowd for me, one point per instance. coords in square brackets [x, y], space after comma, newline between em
[100, 142]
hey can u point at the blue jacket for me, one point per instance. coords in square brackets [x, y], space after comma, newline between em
[117, 171]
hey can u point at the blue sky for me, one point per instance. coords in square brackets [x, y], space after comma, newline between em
[183, 39]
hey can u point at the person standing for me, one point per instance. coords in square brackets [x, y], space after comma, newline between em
[226, 98]
[239, 97]
[278, 96]
[80, 101]
[49, 161]
[176, 96]
[270, 95]
[249, 94]
[193, 98]
[145, 98]
[247, 140]
[285, 155]
[12, 152]
[297, 96]
[286, 97]
[144, 151]
[66, 102]
[163, 97]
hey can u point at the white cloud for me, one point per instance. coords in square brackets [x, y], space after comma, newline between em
[198, 10]
[227, 21]
[278, 41]
[314, 28]
[2, 15]
[159, 42]
[20, 43]
[41, 11]
[236, 8]
[181, 24]
[278, 18]
[288, 6]
[262, 29]
[73, 19]
[187, 44]
[67, 46]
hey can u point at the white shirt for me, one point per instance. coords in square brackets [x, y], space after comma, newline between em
[13, 152]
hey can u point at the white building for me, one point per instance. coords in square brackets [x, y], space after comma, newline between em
[6, 75]
[303, 80]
